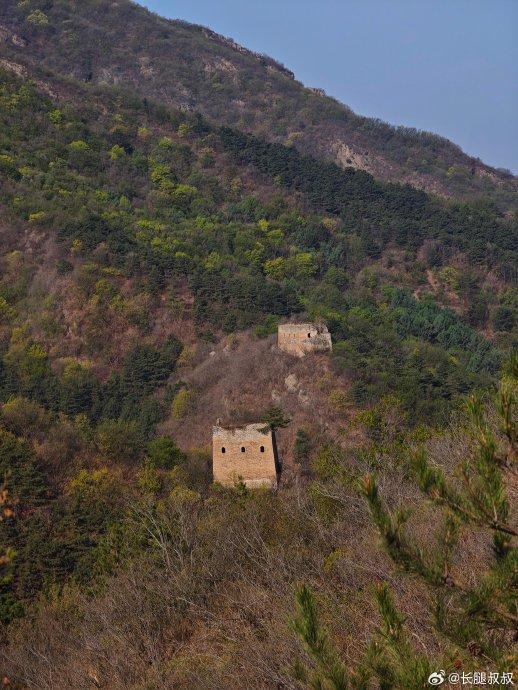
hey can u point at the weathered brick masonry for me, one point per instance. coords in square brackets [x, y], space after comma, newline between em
[300, 339]
[246, 453]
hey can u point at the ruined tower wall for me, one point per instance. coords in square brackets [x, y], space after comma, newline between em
[300, 339]
[254, 466]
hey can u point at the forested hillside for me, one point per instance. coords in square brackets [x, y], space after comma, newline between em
[191, 67]
[147, 255]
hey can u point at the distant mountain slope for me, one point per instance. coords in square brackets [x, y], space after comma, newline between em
[241, 231]
[190, 67]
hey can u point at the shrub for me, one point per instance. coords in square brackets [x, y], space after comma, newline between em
[6, 312]
[78, 388]
[18, 468]
[182, 403]
[164, 453]
[338, 399]
[302, 447]
[119, 439]
[186, 356]
[38, 18]
[116, 153]
[504, 318]
[23, 416]
[63, 267]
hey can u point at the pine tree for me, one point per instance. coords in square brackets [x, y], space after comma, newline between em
[391, 655]
[325, 671]
[481, 619]
[274, 418]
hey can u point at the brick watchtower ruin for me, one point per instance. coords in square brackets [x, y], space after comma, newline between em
[300, 339]
[245, 453]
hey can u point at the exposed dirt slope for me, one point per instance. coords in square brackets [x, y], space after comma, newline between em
[241, 377]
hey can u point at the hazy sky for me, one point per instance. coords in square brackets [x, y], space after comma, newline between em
[447, 66]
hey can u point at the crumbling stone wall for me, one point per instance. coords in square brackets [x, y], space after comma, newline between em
[300, 339]
[245, 453]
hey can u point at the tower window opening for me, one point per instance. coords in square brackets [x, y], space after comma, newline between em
[223, 450]
[261, 449]
[309, 335]
[242, 449]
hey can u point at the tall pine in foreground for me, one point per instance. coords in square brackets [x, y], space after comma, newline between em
[479, 618]
[323, 669]
[390, 659]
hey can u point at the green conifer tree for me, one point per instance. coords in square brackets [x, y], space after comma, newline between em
[480, 619]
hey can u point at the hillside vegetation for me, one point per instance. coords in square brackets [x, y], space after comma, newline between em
[147, 255]
[195, 69]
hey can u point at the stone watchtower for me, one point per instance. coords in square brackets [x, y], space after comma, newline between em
[244, 453]
[300, 339]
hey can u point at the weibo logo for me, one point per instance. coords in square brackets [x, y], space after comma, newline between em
[436, 678]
